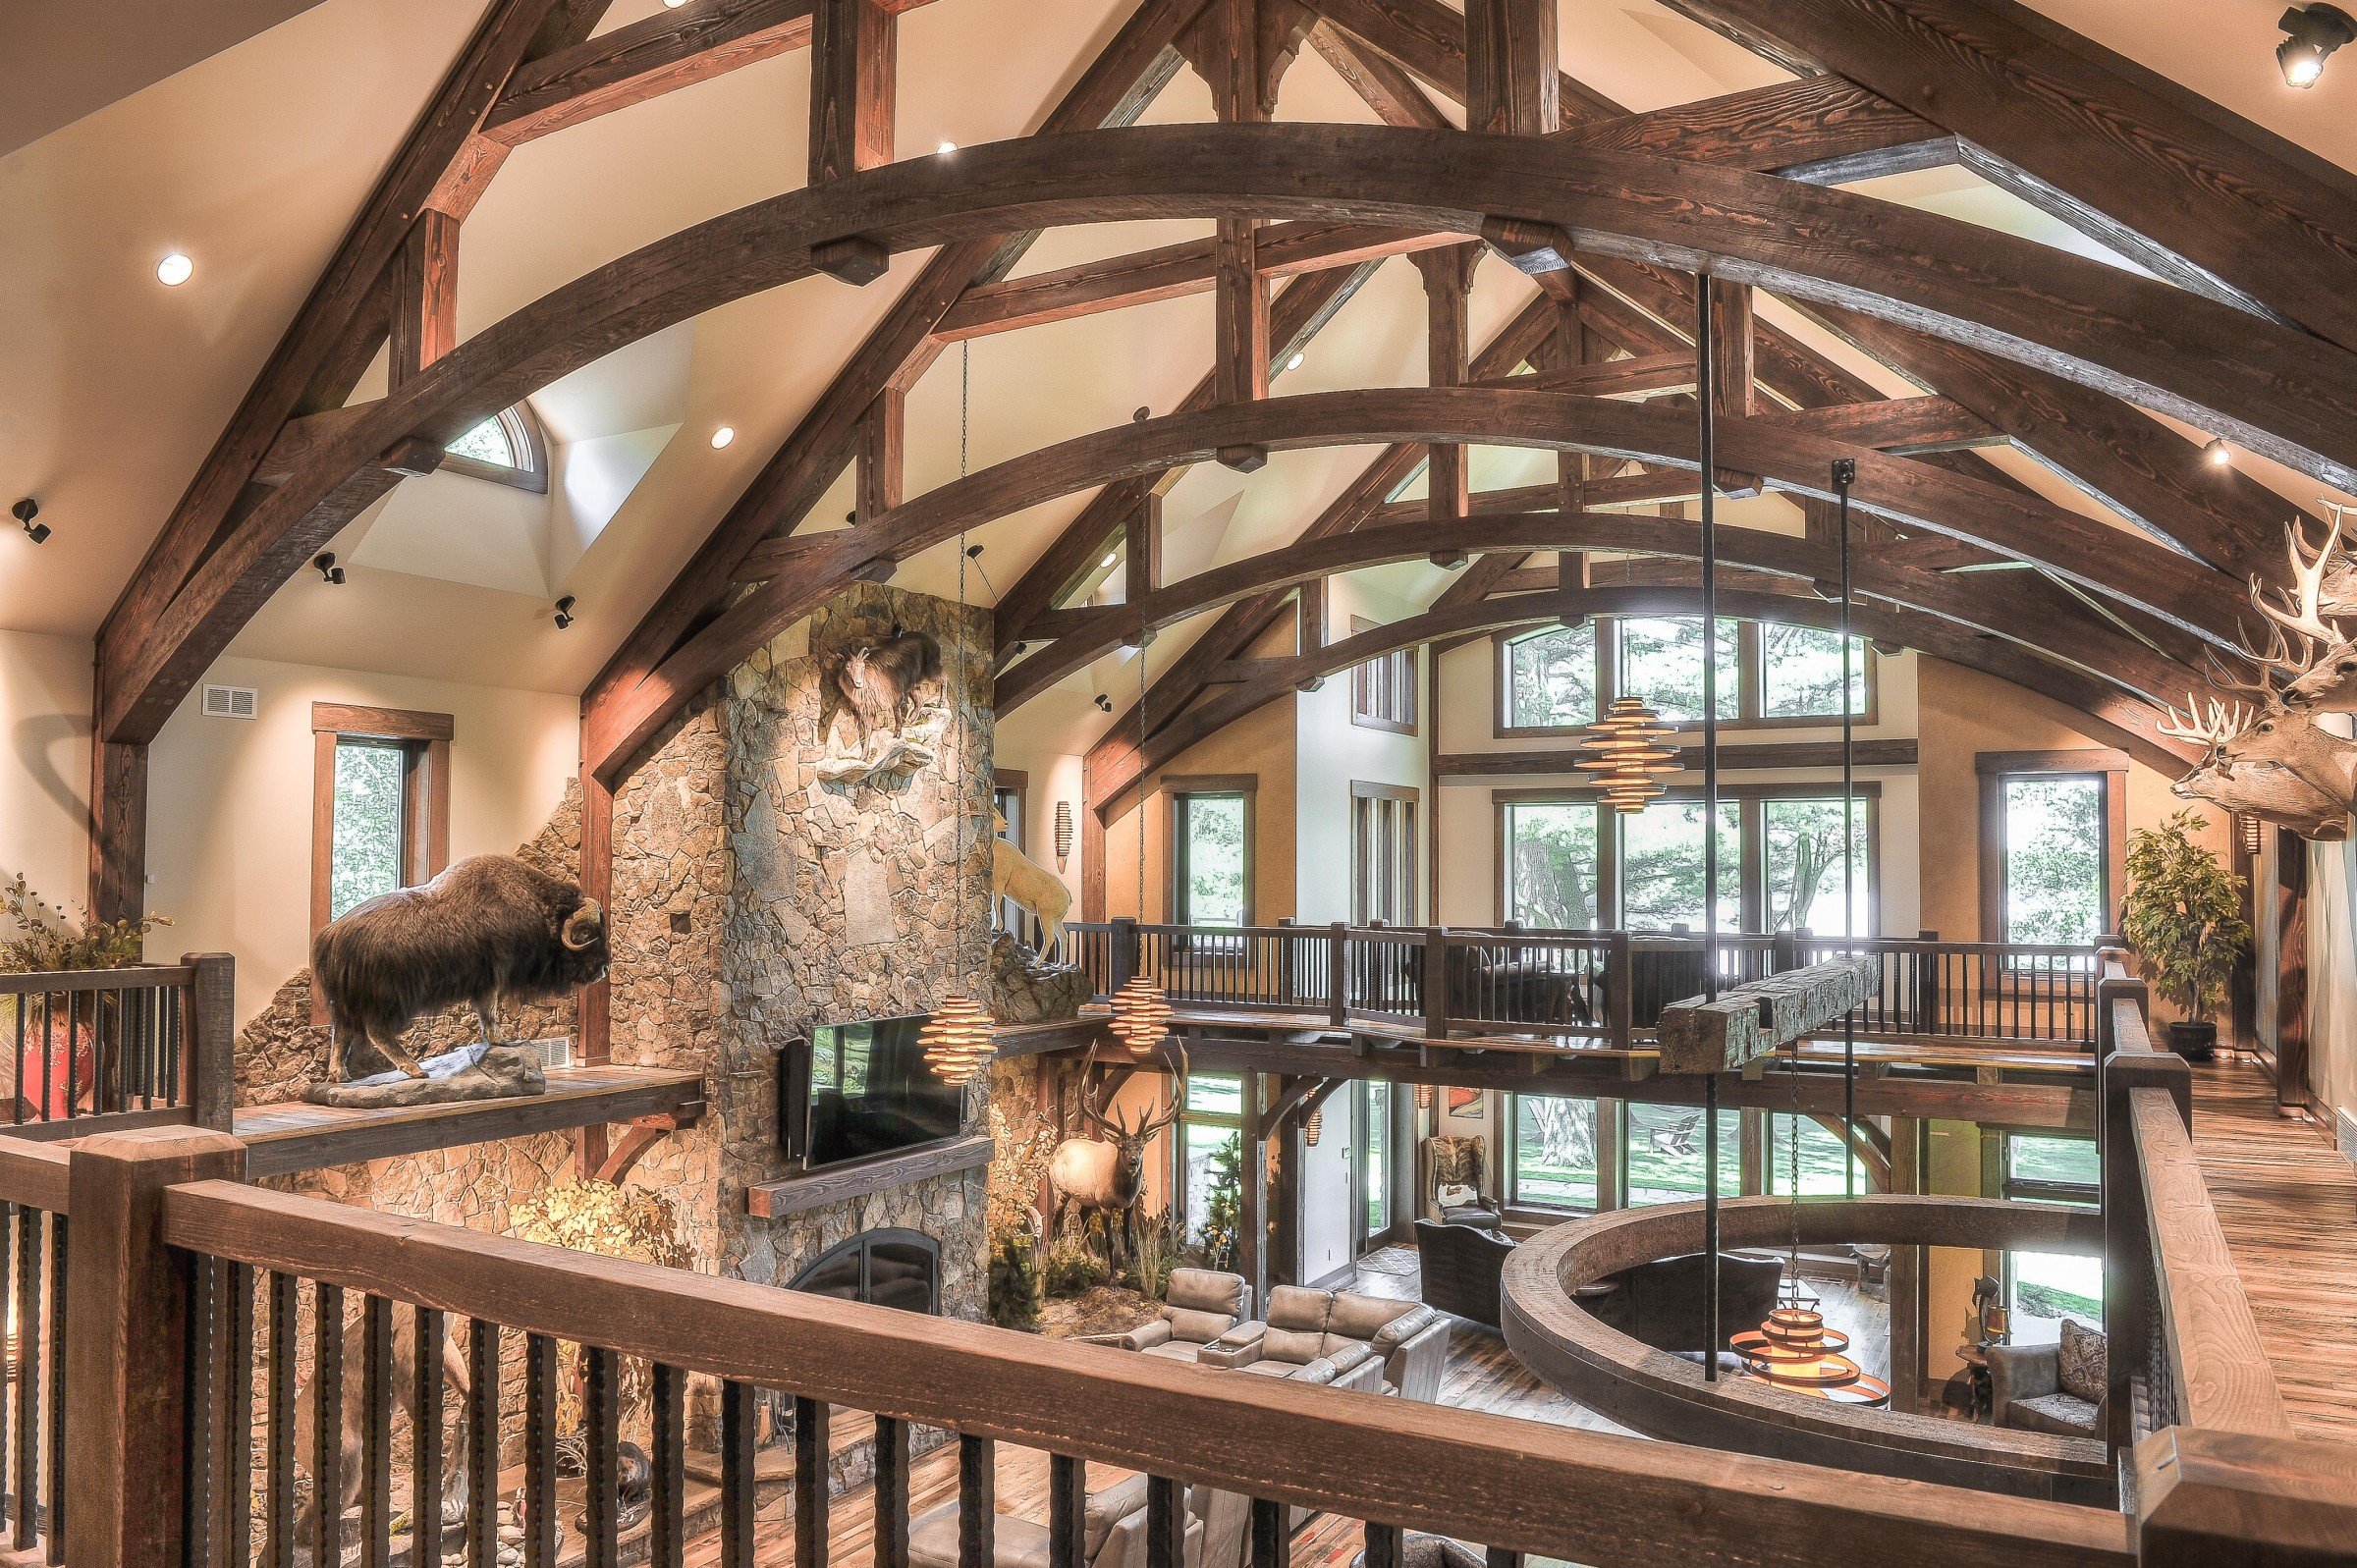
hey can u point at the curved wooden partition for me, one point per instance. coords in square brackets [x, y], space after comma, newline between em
[1666, 1397]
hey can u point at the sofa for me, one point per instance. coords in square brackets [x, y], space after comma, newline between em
[1492, 983]
[1460, 1267]
[2057, 1388]
[1661, 1303]
[1200, 1306]
[1366, 1342]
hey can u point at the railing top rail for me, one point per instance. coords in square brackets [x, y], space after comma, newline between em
[34, 1174]
[1485, 936]
[1510, 1484]
[133, 979]
[1166, 928]
[1409, 936]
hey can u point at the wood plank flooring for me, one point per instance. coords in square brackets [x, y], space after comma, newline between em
[2287, 1202]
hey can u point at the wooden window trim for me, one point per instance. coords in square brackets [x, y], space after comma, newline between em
[1400, 853]
[1995, 768]
[1501, 646]
[1392, 704]
[523, 428]
[1175, 787]
[425, 740]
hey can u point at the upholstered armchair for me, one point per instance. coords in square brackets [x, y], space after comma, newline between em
[1459, 1267]
[1113, 1535]
[1455, 1167]
[1200, 1306]
[2055, 1388]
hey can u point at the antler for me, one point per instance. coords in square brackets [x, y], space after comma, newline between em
[2220, 725]
[1155, 1124]
[2307, 595]
[2278, 655]
[1089, 1106]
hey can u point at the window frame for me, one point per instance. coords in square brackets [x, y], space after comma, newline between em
[1222, 1120]
[1383, 689]
[1385, 840]
[1604, 680]
[522, 428]
[423, 739]
[1005, 914]
[1177, 793]
[1998, 768]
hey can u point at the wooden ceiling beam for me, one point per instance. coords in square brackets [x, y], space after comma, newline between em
[855, 80]
[1905, 426]
[1512, 75]
[2189, 189]
[1447, 362]
[425, 322]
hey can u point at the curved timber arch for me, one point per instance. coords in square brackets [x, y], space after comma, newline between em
[2134, 718]
[2005, 605]
[2280, 393]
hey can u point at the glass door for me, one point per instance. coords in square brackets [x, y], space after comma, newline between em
[1375, 1209]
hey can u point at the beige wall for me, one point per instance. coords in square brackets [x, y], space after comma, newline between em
[1334, 752]
[1261, 743]
[229, 846]
[45, 764]
[1965, 713]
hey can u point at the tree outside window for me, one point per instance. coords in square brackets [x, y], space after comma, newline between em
[1555, 1152]
[1804, 872]
[370, 811]
[1662, 867]
[1660, 662]
[2053, 859]
[1551, 873]
[1551, 679]
[1212, 888]
[1800, 673]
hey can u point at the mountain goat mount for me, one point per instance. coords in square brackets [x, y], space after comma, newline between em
[1107, 1175]
[2265, 754]
[882, 712]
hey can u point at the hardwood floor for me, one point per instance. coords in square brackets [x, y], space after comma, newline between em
[2286, 1200]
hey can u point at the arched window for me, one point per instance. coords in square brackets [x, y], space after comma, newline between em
[504, 449]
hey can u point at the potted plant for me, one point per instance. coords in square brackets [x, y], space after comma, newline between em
[2183, 917]
[53, 1055]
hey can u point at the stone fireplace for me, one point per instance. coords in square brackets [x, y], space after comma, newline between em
[885, 1268]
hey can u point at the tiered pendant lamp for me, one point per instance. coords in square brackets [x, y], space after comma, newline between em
[1141, 1015]
[958, 1040]
[1794, 1350]
[1629, 751]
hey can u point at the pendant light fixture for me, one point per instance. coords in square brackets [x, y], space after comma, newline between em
[957, 1039]
[1141, 1014]
[1314, 1126]
[1629, 754]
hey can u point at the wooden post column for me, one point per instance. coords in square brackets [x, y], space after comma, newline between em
[1449, 362]
[854, 66]
[1142, 538]
[117, 829]
[1514, 79]
[882, 460]
[127, 1297]
[1253, 1201]
[426, 296]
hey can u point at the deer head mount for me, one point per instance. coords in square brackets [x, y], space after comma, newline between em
[2269, 790]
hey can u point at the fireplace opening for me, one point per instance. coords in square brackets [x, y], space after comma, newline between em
[888, 1268]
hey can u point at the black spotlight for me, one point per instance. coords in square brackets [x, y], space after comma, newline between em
[1143, 413]
[26, 511]
[1104, 703]
[329, 571]
[565, 612]
[974, 552]
[2310, 36]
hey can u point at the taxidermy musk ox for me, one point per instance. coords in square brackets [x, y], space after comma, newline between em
[878, 682]
[488, 929]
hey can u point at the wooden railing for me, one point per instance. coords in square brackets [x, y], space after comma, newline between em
[118, 1047]
[33, 1256]
[1607, 987]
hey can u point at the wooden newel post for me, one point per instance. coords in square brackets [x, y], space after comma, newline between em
[1619, 987]
[209, 1040]
[1289, 991]
[1120, 958]
[2205, 1495]
[1338, 973]
[127, 1300]
[1783, 951]
[1436, 982]
[2128, 1284]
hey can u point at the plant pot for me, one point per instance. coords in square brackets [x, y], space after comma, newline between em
[2195, 1041]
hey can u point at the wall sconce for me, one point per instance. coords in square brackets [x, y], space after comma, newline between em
[1064, 833]
[1424, 1097]
[565, 612]
[25, 511]
[329, 571]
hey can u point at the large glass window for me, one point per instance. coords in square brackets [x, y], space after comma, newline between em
[1376, 1110]
[2053, 858]
[1800, 673]
[1552, 874]
[1210, 1141]
[1662, 866]
[1665, 1154]
[1802, 840]
[1551, 679]
[1555, 1152]
[1820, 1159]
[380, 819]
[2068, 1169]
[370, 814]
[1213, 885]
[1661, 662]
[2043, 1288]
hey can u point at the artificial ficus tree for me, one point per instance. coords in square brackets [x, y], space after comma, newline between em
[2183, 915]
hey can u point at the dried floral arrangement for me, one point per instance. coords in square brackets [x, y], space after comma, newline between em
[640, 1223]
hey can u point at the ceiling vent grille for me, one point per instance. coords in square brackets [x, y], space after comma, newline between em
[230, 702]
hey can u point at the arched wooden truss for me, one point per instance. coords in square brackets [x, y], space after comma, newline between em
[2251, 346]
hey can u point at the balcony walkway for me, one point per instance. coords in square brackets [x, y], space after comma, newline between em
[2286, 1200]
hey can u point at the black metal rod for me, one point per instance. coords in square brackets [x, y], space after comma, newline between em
[667, 1540]
[1705, 393]
[327, 1423]
[810, 1484]
[1845, 474]
[376, 1435]
[425, 1418]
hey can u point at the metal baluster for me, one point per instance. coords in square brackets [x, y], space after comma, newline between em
[1383, 1545]
[601, 1414]
[48, 1055]
[327, 1422]
[376, 1433]
[54, 1536]
[16, 1102]
[1165, 1521]
[237, 1411]
[482, 1443]
[667, 1543]
[891, 1492]
[1269, 1549]
[1067, 1502]
[199, 1407]
[540, 1452]
[169, 1001]
[426, 1446]
[279, 1442]
[810, 1484]
[737, 1476]
[978, 1500]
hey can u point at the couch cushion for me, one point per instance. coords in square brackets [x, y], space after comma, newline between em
[1291, 1346]
[1198, 1328]
[1364, 1317]
[1401, 1330]
[1110, 1507]
[2082, 1362]
[1208, 1290]
[1017, 1543]
[1276, 1369]
[1299, 1310]
[2064, 1414]
[1176, 1350]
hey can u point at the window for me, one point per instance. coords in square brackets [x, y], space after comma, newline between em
[1552, 878]
[380, 814]
[1211, 852]
[2051, 845]
[1804, 873]
[1662, 866]
[1664, 1153]
[2053, 1170]
[2044, 1288]
[1375, 1114]
[1210, 1143]
[1660, 662]
[1800, 673]
[1548, 679]
[1008, 786]
[1383, 853]
[1820, 1159]
[1383, 690]
[1555, 1152]
[504, 449]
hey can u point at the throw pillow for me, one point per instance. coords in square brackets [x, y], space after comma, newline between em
[2082, 1363]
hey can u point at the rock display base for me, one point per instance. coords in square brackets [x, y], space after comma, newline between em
[472, 1072]
[1025, 990]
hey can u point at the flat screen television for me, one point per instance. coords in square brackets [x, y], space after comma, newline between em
[868, 1092]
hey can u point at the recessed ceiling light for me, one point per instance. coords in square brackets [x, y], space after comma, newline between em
[174, 270]
[1295, 363]
[947, 146]
[723, 436]
[673, 4]
[1106, 561]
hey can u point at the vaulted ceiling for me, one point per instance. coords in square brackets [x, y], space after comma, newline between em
[628, 124]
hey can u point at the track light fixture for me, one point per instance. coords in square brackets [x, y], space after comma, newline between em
[1104, 703]
[2310, 36]
[25, 511]
[565, 612]
[2218, 453]
[329, 571]
[1142, 415]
